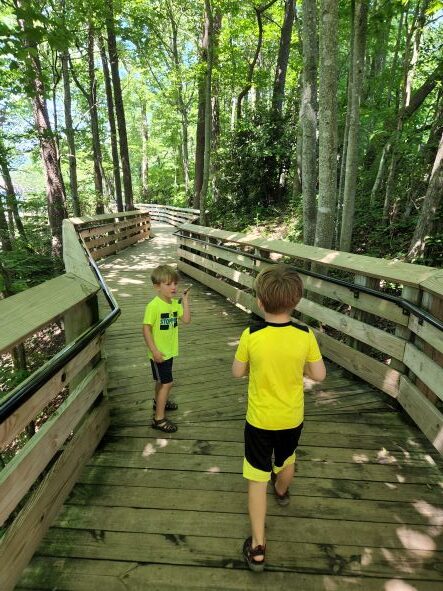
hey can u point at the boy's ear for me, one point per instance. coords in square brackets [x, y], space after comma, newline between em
[260, 305]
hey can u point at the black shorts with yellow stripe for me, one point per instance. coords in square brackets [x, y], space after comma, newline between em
[267, 451]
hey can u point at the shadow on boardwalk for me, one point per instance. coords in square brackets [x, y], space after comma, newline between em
[153, 511]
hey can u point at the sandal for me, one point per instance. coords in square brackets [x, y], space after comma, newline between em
[164, 425]
[169, 405]
[282, 500]
[249, 554]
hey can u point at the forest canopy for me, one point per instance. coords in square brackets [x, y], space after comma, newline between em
[322, 118]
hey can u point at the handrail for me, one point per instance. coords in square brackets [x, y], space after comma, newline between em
[406, 306]
[26, 389]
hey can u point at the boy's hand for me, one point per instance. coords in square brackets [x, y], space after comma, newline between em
[186, 291]
[158, 357]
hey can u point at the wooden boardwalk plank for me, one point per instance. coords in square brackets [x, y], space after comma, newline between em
[161, 512]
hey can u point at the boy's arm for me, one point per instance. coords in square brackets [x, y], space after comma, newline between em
[240, 369]
[186, 318]
[149, 340]
[315, 370]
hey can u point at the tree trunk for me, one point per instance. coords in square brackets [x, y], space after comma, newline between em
[70, 136]
[55, 191]
[428, 212]
[200, 131]
[278, 93]
[327, 148]
[247, 87]
[358, 62]
[11, 199]
[181, 106]
[119, 109]
[308, 116]
[415, 103]
[112, 126]
[5, 237]
[96, 147]
[341, 183]
[144, 165]
[208, 114]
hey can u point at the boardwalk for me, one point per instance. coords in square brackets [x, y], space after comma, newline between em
[156, 512]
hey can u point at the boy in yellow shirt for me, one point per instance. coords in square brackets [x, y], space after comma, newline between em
[160, 330]
[276, 353]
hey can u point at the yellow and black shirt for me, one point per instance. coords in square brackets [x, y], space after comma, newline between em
[276, 354]
[163, 318]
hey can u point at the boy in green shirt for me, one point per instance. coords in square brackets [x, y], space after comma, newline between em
[276, 353]
[160, 330]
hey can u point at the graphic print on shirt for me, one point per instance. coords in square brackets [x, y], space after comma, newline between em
[168, 320]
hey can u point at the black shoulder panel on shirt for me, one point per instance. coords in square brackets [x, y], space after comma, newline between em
[300, 326]
[257, 326]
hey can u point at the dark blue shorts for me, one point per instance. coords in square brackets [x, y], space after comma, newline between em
[162, 372]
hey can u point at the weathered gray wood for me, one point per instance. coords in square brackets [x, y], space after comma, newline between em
[155, 511]
[26, 312]
[17, 422]
[216, 575]
[22, 471]
[22, 538]
[406, 273]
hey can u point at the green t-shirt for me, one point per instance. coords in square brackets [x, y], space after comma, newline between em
[163, 318]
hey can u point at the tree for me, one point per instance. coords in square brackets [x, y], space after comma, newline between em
[327, 101]
[358, 60]
[55, 190]
[119, 107]
[112, 126]
[70, 135]
[428, 212]
[308, 117]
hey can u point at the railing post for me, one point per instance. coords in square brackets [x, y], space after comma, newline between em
[373, 283]
[412, 295]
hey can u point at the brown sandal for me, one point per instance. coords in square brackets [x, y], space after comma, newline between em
[249, 554]
[164, 425]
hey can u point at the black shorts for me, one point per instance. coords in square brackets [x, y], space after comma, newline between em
[162, 372]
[262, 444]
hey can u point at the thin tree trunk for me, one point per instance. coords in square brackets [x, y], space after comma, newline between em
[112, 126]
[247, 87]
[327, 198]
[200, 131]
[5, 237]
[119, 109]
[96, 147]
[181, 106]
[70, 136]
[428, 212]
[308, 117]
[11, 199]
[55, 190]
[278, 93]
[208, 114]
[144, 165]
[344, 151]
[358, 62]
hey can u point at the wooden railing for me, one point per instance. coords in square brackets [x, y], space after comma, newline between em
[35, 482]
[393, 343]
[172, 215]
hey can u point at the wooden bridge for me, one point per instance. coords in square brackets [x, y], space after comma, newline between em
[96, 499]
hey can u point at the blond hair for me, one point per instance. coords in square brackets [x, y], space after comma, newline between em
[164, 274]
[279, 288]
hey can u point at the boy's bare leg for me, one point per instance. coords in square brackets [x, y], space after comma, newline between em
[257, 512]
[284, 479]
[161, 397]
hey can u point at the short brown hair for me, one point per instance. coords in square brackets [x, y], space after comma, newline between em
[164, 274]
[279, 288]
